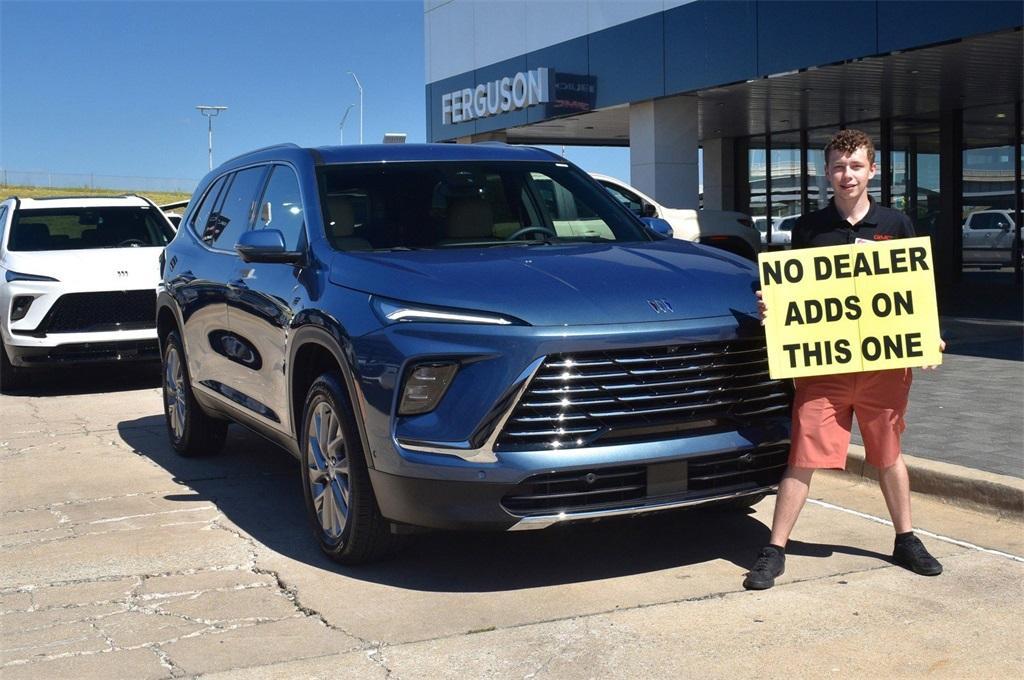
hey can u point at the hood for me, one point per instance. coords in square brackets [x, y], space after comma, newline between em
[555, 285]
[91, 269]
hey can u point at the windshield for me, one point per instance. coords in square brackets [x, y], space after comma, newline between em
[82, 228]
[469, 205]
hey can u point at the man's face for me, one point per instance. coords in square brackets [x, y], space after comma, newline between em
[850, 173]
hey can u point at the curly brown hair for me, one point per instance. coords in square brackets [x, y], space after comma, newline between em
[847, 141]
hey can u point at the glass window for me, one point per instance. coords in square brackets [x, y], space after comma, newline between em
[786, 174]
[756, 173]
[627, 198]
[281, 207]
[84, 228]
[235, 213]
[3, 222]
[200, 220]
[468, 204]
[988, 186]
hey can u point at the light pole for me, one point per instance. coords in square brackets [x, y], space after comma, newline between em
[210, 112]
[360, 86]
[341, 125]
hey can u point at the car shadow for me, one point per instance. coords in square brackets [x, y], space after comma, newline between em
[88, 379]
[256, 486]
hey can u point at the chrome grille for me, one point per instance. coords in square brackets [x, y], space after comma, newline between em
[645, 394]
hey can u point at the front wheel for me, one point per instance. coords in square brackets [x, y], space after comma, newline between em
[340, 502]
[191, 431]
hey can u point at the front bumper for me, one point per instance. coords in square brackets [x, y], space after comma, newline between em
[548, 495]
[79, 348]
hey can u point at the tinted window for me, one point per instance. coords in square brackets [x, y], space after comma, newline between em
[281, 207]
[3, 220]
[626, 198]
[989, 221]
[202, 215]
[234, 215]
[472, 204]
[82, 228]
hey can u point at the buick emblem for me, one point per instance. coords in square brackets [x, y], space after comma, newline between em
[660, 305]
[122, 273]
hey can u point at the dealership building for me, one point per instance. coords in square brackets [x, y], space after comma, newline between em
[759, 87]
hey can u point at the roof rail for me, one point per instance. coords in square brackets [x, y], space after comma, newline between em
[283, 145]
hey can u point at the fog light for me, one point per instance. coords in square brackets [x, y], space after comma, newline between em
[424, 388]
[19, 308]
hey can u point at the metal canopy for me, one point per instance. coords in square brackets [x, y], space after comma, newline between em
[965, 73]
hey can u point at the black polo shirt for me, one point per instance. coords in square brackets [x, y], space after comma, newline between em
[826, 227]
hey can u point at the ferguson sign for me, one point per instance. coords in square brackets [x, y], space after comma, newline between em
[498, 96]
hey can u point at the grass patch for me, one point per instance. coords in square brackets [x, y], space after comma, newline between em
[158, 197]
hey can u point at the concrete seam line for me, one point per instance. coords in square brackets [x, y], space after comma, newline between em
[940, 537]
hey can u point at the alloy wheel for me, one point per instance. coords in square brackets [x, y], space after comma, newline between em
[174, 392]
[328, 470]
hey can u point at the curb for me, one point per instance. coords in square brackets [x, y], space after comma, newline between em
[956, 484]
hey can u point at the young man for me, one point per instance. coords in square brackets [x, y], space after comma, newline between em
[824, 405]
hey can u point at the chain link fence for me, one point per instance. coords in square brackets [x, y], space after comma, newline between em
[71, 180]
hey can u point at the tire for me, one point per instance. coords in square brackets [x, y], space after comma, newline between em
[190, 430]
[340, 502]
[11, 377]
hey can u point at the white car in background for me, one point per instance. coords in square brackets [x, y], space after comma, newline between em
[78, 281]
[988, 237]
[782, 231]
[728, 230]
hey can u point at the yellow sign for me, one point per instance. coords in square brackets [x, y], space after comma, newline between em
[867, 306]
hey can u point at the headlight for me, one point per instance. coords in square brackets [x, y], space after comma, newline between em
[424, 386]
[18, 276]
[392, 311]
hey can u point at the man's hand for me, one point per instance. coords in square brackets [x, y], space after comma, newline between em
[760, 306]
[942, 348]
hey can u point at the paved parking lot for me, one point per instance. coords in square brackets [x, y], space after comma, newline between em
[120, 559]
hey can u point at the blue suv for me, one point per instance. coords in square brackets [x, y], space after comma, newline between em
[462, 337]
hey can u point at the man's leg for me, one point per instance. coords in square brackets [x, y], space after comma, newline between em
[793, 490]
[896, 489]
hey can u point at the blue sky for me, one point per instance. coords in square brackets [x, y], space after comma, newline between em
[111, 87]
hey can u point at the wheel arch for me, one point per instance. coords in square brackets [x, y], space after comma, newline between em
[314, 351]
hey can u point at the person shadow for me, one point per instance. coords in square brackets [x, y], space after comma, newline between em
[256, 486]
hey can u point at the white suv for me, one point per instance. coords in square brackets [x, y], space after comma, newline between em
[78, 281]
[725, 229]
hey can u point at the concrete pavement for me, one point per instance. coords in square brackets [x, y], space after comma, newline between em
[121, 559]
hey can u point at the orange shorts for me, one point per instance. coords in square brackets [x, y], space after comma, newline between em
[823, 413]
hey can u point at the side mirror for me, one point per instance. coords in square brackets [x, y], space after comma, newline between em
[659, 226]
[266, 245]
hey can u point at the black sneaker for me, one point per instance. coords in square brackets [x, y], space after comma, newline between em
[911, 554]
[771, 562]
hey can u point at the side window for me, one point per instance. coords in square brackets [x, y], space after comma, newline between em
[626, 198]
[235, 213]
[3, 222]
[202, 216]
[281, 206]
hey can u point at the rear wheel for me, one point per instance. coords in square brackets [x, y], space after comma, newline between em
[340, 502]
[191, 431]
[11, 376]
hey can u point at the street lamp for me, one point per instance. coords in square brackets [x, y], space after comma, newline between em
[210, 112]
[360, 86]
[341, 125]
